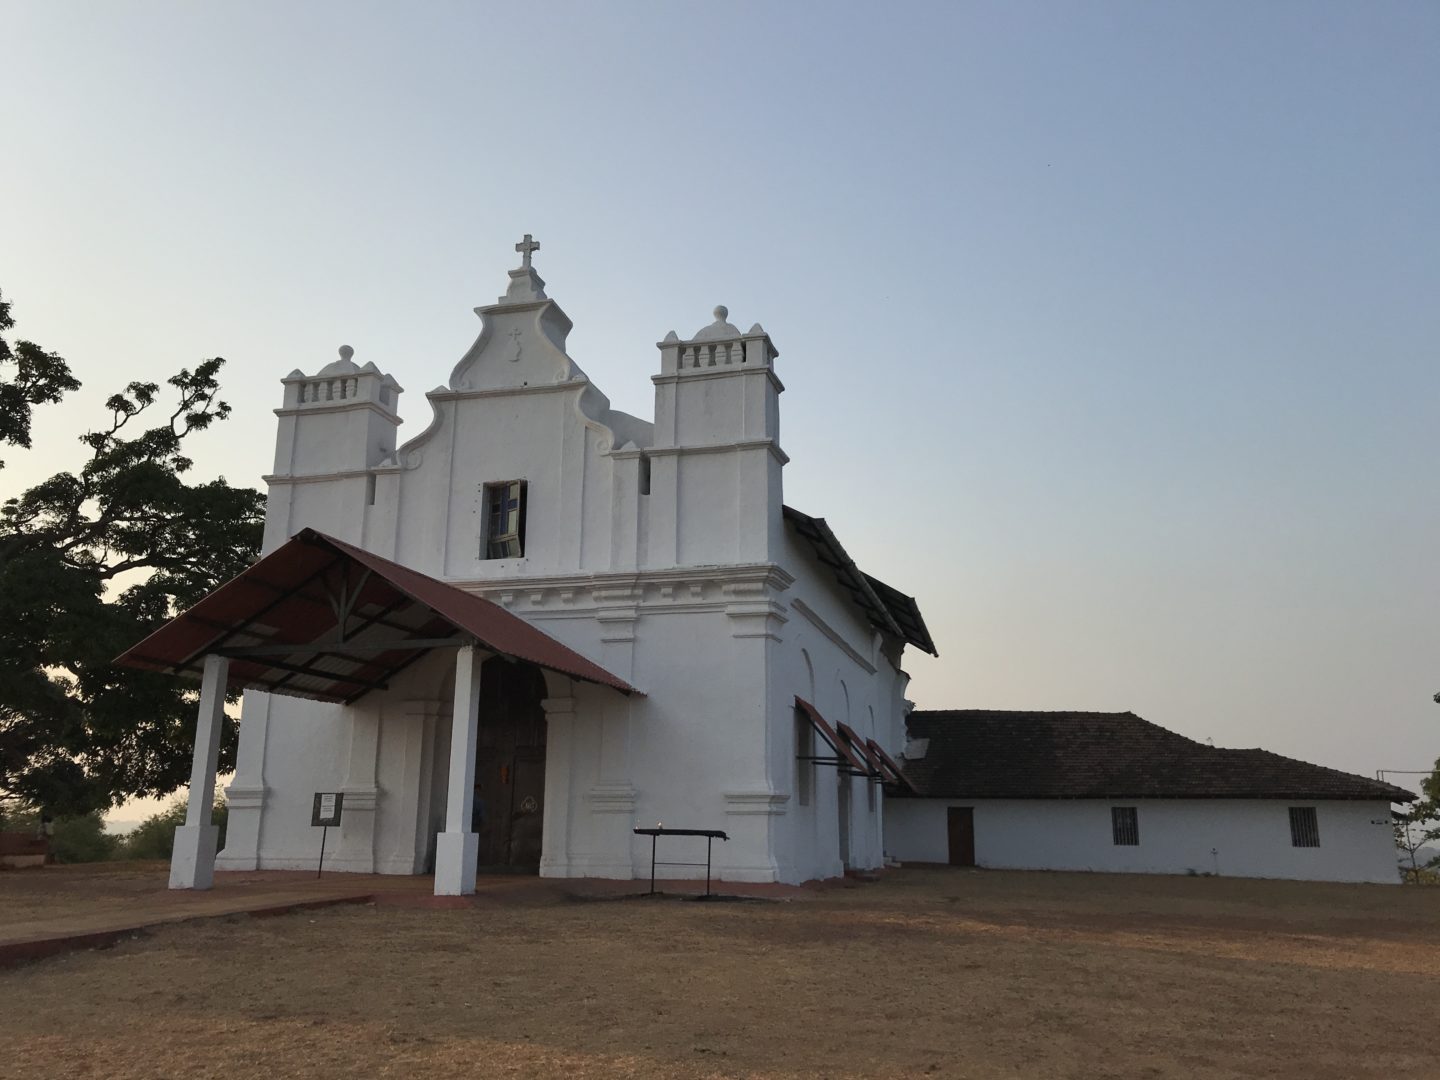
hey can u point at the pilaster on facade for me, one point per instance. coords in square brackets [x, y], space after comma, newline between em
[360, 798]
[617, 610]
[760, 801]
[752, 612]
[238, 797]
[617, 624]
[559, 785]
[612, 797]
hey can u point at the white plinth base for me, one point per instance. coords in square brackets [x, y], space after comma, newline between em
[192, 865]
[455, 858]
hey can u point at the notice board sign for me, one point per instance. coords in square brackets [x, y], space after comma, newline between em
[328, 805]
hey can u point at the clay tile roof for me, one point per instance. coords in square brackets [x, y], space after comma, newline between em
[886, 608]
[980, 754]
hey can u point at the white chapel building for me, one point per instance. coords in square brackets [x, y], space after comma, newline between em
[541, 622]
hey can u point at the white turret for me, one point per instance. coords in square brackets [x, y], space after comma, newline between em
[717, 430]
[337, 424]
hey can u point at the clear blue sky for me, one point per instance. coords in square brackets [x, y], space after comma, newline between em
[1109, 329]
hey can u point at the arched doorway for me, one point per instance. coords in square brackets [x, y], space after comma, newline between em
[510, 766]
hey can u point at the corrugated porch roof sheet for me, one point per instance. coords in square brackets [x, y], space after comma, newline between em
[274, 603]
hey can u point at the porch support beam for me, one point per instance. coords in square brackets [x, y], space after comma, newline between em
[192, 863]
[457, 848]
[348, 648]
[321, 673]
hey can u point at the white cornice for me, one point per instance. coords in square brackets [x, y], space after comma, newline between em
[724, 448]
[444, 394]
[769, 574]
[316, 478]
[339, 406]
[725, 372]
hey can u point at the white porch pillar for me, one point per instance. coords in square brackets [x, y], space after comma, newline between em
[457, 848]
[559, 751]
[192, 863]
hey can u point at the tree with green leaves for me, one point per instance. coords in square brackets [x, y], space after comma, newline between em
[92, 561]
[1417, 827]
[154, 838]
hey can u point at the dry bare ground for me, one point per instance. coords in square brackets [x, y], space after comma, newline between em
[927, 973]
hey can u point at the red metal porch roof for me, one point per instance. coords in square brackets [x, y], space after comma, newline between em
[320, 618]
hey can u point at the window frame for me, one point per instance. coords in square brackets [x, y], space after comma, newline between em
[1304, 826]
[496, 497]
[1125, 826]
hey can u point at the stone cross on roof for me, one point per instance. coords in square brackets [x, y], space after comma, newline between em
[526, 247]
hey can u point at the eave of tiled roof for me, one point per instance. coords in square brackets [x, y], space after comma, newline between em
[975, 753]
[886, 608]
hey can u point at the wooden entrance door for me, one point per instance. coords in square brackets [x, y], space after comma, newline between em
[960, 824]
[510, 766]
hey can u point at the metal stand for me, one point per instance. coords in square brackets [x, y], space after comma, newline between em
[321, 864]
[711, 835]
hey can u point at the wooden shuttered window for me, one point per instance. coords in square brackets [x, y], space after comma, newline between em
[1304, 827]
[1125, 825]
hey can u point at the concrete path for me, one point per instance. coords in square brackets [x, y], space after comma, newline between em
[108, 917]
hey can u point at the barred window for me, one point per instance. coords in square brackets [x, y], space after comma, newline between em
[1125, 825]
[505, 520]
[1304, 827]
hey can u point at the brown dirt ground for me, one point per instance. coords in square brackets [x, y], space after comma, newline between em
[927, 973]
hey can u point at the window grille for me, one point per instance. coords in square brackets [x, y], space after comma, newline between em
[505, 520]
[1125, 825]
[1304, 827]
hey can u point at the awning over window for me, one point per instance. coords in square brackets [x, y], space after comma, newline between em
[858, 749]
[845, 756]
[319, 618]
[888, 768]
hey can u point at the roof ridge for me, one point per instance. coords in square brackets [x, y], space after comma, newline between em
[1301, 761]
[1028, 712]
[1012, 753]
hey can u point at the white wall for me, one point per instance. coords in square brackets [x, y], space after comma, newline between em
[832, 657]
[1234, 837]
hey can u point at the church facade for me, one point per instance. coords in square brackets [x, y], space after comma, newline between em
[756, 671]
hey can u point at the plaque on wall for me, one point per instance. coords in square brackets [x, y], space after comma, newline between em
[327, 808]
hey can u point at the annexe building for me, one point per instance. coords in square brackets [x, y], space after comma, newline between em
[1112, 792]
